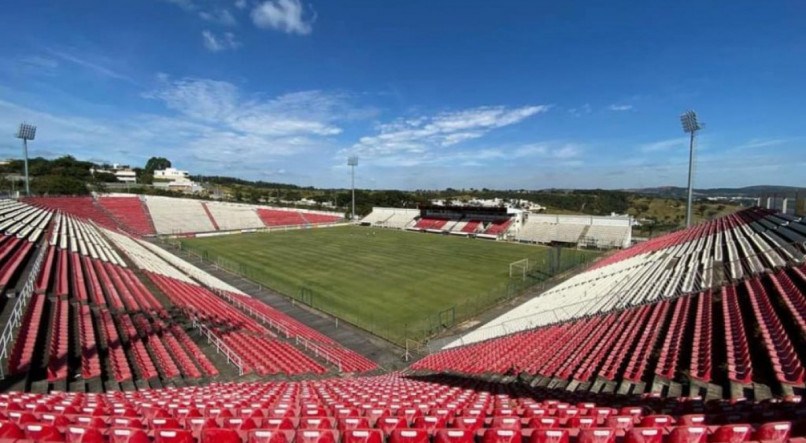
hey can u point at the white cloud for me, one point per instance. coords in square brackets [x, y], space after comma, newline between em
[187, 5]
[208, 126]
[93, 64]
[428, 133]
[218, 43]
[665, 145]
[617, 107]
[282, 15]
[219, 17]
[240, 4]
[584, 109]
[758, 143]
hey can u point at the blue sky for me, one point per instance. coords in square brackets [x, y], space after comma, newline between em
[428, 94]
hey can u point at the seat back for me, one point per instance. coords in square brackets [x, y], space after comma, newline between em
[10, 430]
[219, 435]
[505, 422]
[42, 432]
[549, 436]
[409, 436]
[644, 435]
[734, 433]
[128, 435]
[688, 434]
[597, 435]
[83, 434]
[778, 431]
[362, 436]
[173, 436]
[387, 424]
[657, 421]
[454, 436]
[270, 436]
[316, 436]
[497, 435]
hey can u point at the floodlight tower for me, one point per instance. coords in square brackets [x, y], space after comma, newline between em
[26, 132]
[352, 162]
[691, 126]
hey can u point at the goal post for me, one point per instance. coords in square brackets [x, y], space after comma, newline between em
[519, 268]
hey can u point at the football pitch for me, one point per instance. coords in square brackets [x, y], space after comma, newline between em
[395, 284]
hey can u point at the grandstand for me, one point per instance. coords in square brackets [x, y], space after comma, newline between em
[493, 223]
[396, 218]
[577, 230]
[122, 340]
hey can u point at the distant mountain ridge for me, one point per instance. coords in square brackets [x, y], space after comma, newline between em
[747, 191]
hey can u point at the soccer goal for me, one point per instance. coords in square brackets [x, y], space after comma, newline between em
[519, 268]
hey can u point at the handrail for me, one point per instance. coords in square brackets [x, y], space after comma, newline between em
[18, 312]
[232, 357]
[319, 351]
[309, 345]
[258, 315]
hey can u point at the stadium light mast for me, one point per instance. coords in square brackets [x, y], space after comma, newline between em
[690, 125]
[26, 132]
[352, 162]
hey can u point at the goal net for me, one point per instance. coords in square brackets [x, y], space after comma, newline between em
[519, 268]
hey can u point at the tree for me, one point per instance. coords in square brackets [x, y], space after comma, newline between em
[156, 163]
[58, 185]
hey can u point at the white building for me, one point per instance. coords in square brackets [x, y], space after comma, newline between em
[171, 174]
[123, 173]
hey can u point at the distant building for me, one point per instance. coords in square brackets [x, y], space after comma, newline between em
[171, 174]
[176, 180]
[123, 173]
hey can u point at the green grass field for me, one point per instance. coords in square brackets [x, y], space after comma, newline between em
[390, 282]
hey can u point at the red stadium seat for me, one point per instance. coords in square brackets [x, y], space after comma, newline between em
[270, 436]
[657, 421]
[644, 435]
[454, 436]
[494, 435]
[165, 423]
[544, 423]
[429, 423]
[597, 435]
[506, 422]
[278, 423]
[316, 423]
[42, 432]
[219, 435]
[778, 431]
[353, 423]
[620, 422]
[316, 436]
[409, 436]
[128, 435]
[688, 434]
[173, 436]
[733, 433]
[549, 436]
[387, 424]
[362, 436]
[80, 434]
[10, 430]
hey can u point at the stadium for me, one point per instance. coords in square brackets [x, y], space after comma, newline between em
[452, 221]
[117, 335]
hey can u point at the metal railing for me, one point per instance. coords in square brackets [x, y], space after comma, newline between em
[282, 329]
[18, 312]
[318, 351]
[220, 346]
